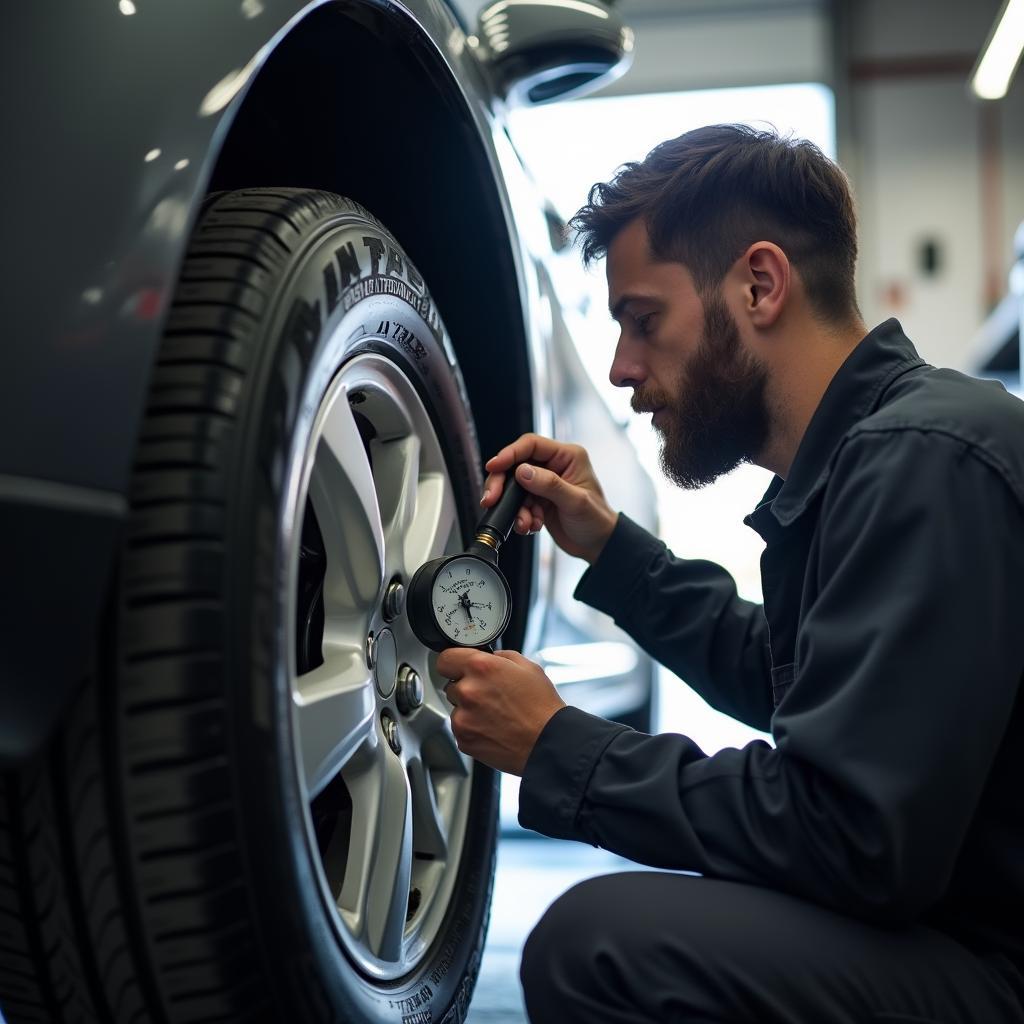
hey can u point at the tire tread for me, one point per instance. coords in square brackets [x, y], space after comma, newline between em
[187, 856]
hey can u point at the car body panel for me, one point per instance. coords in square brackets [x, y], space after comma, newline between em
[104, 189]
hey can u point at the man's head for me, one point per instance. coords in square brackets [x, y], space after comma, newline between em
[718, 243]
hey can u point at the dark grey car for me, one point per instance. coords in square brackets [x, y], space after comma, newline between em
[237, 412]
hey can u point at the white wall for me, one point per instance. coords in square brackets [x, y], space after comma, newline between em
[919, 177]
[913, 148]
[1012, 131]
[766, 45]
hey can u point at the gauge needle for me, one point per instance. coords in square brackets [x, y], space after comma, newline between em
[464, 601]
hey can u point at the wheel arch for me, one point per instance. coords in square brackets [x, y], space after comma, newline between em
[357, 100]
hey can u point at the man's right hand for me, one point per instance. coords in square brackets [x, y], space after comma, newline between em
[566, 497]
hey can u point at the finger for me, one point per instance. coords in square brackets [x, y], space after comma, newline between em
[530, 517]
[543, 483]
[451, 662]
[521, 448]
[536, 511]
[493, 487]
[528, 446]
[451, 693]
[513, 656]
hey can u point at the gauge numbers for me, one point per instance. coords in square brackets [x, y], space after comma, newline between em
[470, 602]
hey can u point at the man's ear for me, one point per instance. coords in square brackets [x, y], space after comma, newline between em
[767, 281]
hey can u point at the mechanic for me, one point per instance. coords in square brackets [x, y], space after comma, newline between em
[870, 865]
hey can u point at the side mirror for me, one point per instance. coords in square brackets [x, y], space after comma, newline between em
[542, 50]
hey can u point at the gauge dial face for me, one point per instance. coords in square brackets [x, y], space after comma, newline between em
[469, 600]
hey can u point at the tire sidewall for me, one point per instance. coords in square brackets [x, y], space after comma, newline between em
[348, 280]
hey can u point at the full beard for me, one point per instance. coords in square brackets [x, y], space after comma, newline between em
[718, 417]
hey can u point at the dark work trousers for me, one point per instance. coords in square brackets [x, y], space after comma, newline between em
[661, 948]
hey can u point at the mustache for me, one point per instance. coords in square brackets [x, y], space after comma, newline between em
[647, 401]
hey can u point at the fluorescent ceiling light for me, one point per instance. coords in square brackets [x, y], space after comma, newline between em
[994, 71]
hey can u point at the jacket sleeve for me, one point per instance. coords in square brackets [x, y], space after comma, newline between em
[687, 615]
[908, 665]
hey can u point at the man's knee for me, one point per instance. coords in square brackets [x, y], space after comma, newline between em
[550, 943]
[555, 960]
[574, 953]
[639, 946]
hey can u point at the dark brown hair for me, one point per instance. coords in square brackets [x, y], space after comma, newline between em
[708, 194]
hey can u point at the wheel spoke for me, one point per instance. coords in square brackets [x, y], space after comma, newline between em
[429, 534]
[440, 750]
[342, 491]
[396, 466]
[334, 714]
[428, 828]
[376, 886]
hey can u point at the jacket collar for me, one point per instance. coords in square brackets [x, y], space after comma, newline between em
[854, 392]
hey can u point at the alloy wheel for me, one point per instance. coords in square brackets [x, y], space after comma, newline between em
[387, 788]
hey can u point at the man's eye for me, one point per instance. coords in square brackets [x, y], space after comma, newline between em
[643, 323]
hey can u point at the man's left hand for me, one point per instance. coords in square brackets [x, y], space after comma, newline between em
[502, 702]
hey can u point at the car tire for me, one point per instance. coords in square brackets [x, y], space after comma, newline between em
[250, 812]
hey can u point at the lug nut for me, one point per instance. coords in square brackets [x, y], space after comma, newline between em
[394, 600]
[410, 690]
[371, 650]
[390, 727]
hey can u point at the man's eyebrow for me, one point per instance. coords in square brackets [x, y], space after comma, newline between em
[616, 311]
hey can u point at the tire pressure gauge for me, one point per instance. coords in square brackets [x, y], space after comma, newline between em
[463, 600]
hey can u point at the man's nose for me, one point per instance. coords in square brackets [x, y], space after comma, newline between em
[626, 370]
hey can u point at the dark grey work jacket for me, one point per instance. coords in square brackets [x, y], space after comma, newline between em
[886, 661]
